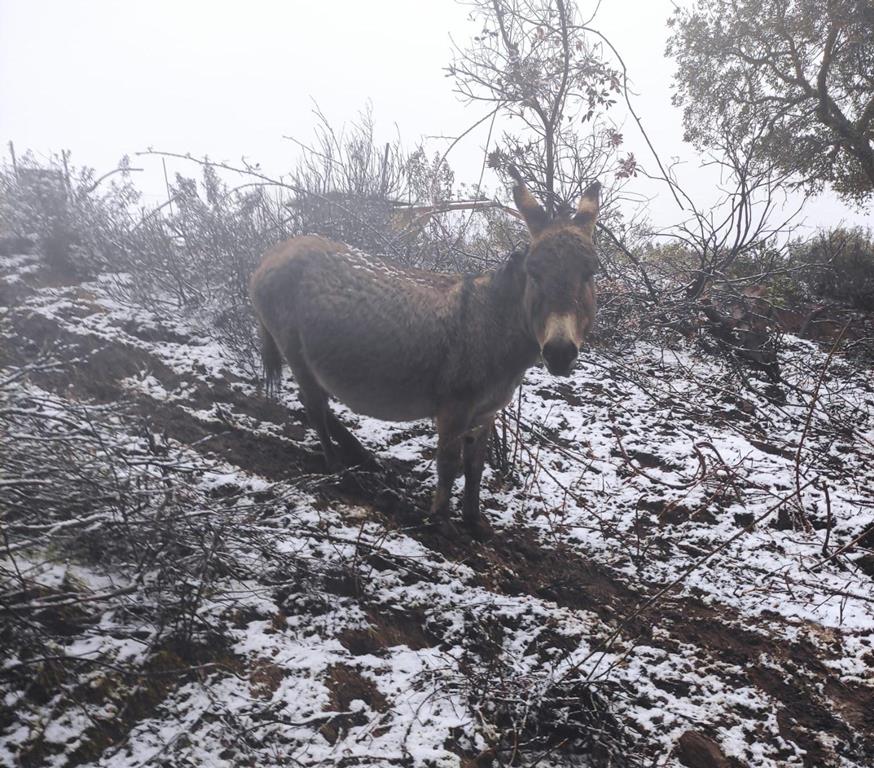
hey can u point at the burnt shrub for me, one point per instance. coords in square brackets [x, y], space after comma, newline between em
[74, 218]
[839, 265]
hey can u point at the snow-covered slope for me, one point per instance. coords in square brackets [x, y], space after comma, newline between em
[681, 567]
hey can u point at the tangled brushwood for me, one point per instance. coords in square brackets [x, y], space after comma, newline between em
[125, 554]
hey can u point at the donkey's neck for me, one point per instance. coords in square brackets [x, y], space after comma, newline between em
[511, 345]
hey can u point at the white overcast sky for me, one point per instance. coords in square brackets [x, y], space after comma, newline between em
[104, 78]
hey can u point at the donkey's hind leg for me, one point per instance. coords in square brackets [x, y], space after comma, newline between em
[315, 402]
[353, 451]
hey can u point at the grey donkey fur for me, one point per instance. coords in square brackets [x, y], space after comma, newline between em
[406, 344]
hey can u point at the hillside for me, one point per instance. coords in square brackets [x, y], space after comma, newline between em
[681, 571]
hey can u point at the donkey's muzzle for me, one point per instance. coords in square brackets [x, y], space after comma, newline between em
[559, 357]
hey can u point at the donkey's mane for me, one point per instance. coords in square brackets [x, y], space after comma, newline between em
[505, 277]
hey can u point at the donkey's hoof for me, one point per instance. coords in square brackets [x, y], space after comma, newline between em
[480, 528]
[366, 462]
[443, 526]
[438, 520]
[334, 465]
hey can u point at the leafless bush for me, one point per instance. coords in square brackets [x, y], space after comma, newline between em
[194, 253]
[530, 711]
[349, 185]
[76, 219]
[381, 199]
[839, 265]
[111, 532]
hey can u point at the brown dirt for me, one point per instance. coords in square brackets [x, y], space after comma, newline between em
[388, 629]
[264, 679]
[346, 685]
[695, 750]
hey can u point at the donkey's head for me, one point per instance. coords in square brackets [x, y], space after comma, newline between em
[559, 300]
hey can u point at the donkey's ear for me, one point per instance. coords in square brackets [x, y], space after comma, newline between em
[532, 212]
[587, 210]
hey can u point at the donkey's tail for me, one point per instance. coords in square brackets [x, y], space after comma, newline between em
[271, 359]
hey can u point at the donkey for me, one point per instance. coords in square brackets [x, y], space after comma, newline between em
[405, 344]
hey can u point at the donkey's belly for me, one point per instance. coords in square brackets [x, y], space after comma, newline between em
[378, 398]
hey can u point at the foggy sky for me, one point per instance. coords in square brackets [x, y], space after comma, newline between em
[228, 80]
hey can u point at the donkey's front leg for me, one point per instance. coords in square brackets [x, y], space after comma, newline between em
[449, 438]
[475, 449]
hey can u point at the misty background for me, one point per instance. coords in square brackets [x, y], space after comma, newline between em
[229, 81]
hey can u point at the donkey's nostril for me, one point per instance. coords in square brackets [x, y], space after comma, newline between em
[559, 356]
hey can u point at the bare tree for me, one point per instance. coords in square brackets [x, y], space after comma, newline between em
[749, 214]
[535, 63]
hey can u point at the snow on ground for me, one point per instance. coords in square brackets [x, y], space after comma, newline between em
[648, 467]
